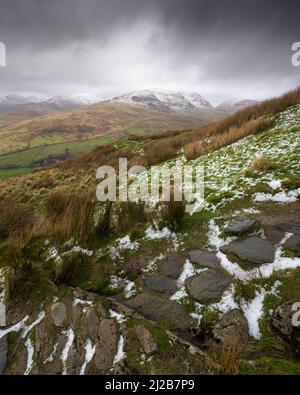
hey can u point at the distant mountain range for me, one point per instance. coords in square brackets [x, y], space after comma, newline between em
[236, 104]
[166, 101]
[161, 100]
[33, 128]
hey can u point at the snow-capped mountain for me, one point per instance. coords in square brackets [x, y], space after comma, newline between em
[167, 101]
[9, 101]
[236, 104]
[75, 100]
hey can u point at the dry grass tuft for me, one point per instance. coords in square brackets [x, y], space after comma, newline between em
[70, 214]
[15, 219]
[130, 215]
[225, 361]
[263, 164]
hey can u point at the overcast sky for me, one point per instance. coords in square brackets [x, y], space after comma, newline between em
[221, 49]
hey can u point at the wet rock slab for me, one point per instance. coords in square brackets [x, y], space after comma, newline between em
[173, 266]
[240, 226]
[233, 325]
[252, 249]
[289, 227]
[158, 308]
[293, 244]
[208, 286]
[204, 258]
[161, 284]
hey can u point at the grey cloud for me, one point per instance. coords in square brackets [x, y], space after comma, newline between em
[222, 48]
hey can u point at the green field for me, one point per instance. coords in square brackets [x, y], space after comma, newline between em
[24, 158]
[14, 172]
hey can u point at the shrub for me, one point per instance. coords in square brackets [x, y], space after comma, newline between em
[172, 213]
[16, 263]
[194, 150]
[226, 360]
[262, 164]
[103, 226]
[70, 214]
[44, 182]
[130, 215]
[15, 219]
[72, 270]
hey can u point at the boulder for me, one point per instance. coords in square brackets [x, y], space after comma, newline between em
[232, 325]
[157, 308]
[293, 244]
[173, 266]
[106, 347]
[146, 339]
[59, 314]
[92, 323]
[161, 284]
[283, 323]
[204, 258]
[240, 226]
[252, 249]
[208, 286]
[289, 227]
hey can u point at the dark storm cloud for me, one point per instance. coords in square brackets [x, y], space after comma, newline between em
[221, 48]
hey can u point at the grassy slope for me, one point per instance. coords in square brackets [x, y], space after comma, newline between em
[89, 123]
[229, 187]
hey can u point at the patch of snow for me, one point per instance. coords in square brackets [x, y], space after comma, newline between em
[120, 355]
[79, 249]
[64, 356]
[30, 352]
[156, 234]
[53, 254]
[152, 264]
[214, 238]
[89, 353]
[275, 184]
[254, 310]
[82, 302]
[188, 271]
[52, 355]
[121, 245]
[227, 302]
[15, 328]
[118, 316]
[129, 290]
[39, 319]
[280, 197]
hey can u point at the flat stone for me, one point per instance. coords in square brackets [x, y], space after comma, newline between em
[173, 266]
[289, 227]
[146, 339]
[252, 249]
[157, 308]
[293, 244]
[161, 284]
[204, 258]
[233, 325]
[208, 286]
[59, 314]
[106, 347]
[240, 226]
[274, 235]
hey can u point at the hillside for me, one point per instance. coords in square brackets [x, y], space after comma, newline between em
[135, 288]
[52, 134]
